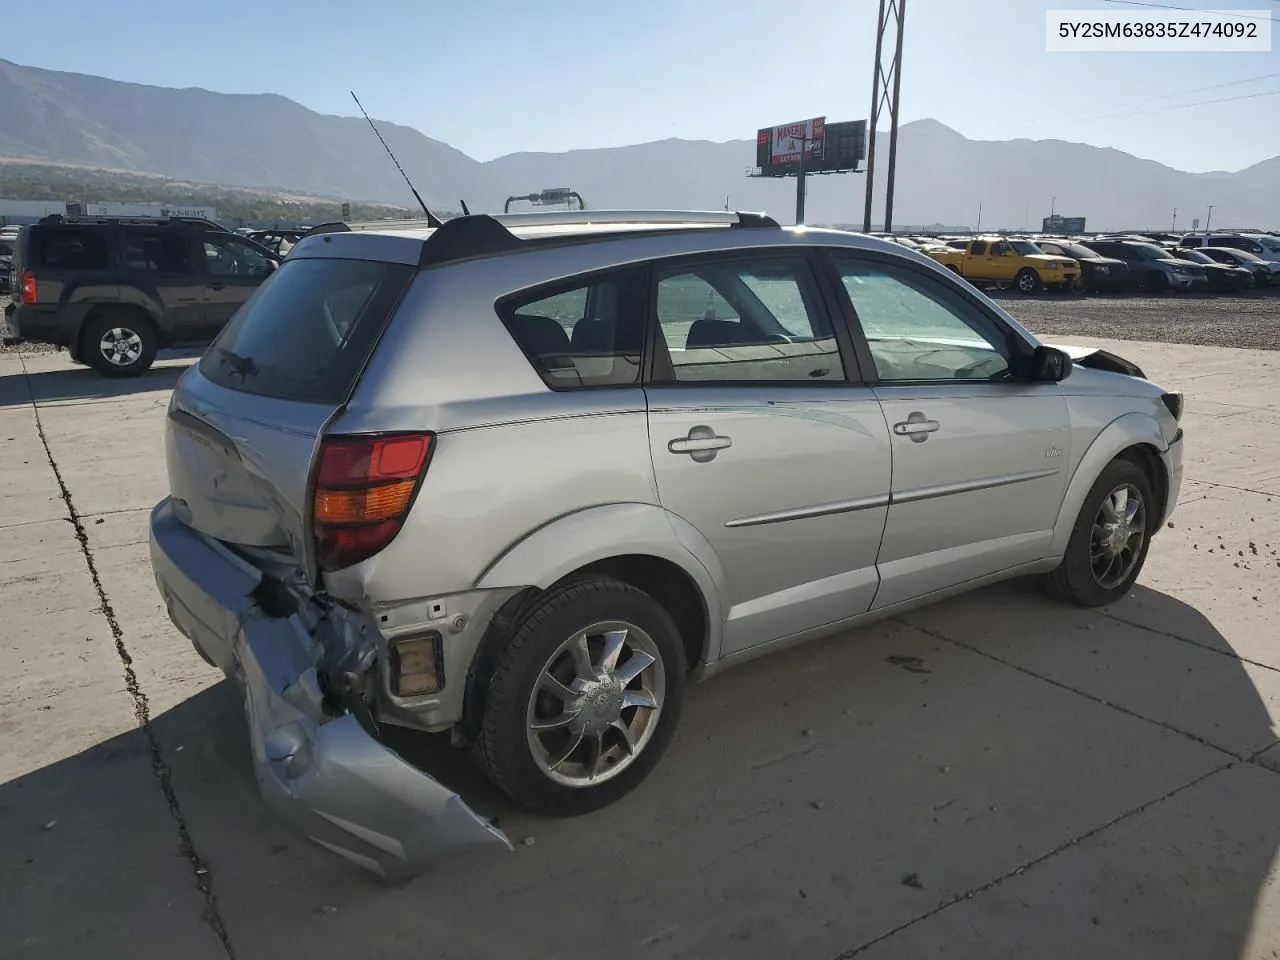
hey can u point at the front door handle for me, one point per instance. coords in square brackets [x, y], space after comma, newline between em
[917, 426]
[701, 444]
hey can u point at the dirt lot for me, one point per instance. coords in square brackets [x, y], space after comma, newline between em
[1252, 322]
[1043, 782]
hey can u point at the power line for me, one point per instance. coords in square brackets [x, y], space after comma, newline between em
[1221, 13]
[1177, 106]
[1212, 86]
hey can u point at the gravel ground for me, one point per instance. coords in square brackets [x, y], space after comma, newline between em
[1252, 322]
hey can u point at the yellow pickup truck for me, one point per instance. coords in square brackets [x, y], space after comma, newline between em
[1001, 260]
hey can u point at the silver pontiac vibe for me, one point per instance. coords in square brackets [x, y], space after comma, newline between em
[522, 478]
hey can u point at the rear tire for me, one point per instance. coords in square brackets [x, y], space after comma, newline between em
[119, 344]
[541, 697]
[1104, 557]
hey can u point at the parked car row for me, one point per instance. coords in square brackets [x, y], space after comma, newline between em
[1214, 262]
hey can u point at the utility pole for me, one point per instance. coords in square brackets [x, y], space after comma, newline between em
[880, 94]
[1053, 205]
[1208, 218]
[1173, 227]
[978, 228]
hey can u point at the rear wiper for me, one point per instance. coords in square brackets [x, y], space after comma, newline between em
[238, 364]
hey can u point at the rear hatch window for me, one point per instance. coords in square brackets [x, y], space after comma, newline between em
[307, 331]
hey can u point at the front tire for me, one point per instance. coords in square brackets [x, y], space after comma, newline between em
[1110, 539]
[119, 344]
[584, 698]
[1157, 282]
[1027, 281]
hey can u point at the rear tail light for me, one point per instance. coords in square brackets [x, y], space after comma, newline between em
[28, 287]
[363, 490]
[1173, 402]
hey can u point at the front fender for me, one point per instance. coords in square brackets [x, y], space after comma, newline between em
[1129, 430]
[573, 541]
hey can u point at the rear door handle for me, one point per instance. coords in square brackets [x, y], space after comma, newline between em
[917, 426]
[701, 444]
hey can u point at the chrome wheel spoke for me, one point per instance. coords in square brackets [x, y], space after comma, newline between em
[637, 663]
[628, 745]
[581, 654]
[639, 698]
[554, 723]
[594, 760]
[614, 641]
[553, 686]
[574, 741]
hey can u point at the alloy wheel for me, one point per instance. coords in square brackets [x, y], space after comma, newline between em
[1119, 530]
[595, 704]
[120, 346]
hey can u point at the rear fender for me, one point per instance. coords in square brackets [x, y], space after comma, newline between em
[1127, 431]
[573, 541]
[83, 302]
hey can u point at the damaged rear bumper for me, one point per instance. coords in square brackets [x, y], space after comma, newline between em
[324, 774]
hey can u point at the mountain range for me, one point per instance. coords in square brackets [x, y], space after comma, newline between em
[266, 140]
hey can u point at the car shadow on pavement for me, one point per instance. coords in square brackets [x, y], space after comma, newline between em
[75, 383]
[923, 784]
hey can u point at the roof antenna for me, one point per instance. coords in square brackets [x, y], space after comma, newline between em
[432, 219]
[465, 211]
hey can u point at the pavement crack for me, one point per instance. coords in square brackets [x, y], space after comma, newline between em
[141, 705]
[1035, 862]
[1102, 701]
[1229, 654]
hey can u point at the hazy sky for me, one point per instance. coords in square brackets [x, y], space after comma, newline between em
[497, 76]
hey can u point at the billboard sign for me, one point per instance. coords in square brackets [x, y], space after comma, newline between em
[831, 147]
[786, 141]
[1061, 224]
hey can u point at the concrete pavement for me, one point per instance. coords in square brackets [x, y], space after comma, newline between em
[1058, 783]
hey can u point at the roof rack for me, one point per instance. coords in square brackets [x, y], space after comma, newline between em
[482, 234]
[202, 222]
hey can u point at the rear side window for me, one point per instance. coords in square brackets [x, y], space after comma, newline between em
[755, 320]
[1190, 242]
[69, 249]
[585, 333]
[305, 332]
[159, 252]
[979, 248]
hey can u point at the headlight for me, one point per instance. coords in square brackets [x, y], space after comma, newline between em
[1103, 270]
[1178, 269]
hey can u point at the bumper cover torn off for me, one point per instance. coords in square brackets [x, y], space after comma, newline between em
[325, 775]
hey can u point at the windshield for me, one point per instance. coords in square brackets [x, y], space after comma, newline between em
[1195, 256]
[1025, 247]
[1271, 243]
[1150, 251]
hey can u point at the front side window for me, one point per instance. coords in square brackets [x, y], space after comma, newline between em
[756, 320]
[227, 257]
[587, 334]
[918, 329]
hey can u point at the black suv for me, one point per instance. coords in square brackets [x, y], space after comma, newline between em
[113, 291]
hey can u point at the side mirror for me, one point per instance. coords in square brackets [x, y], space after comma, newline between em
[1049, 365]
